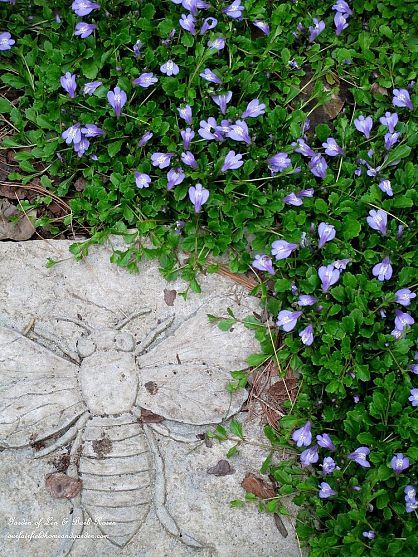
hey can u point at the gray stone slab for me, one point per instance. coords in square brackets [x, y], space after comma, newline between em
[85, 349]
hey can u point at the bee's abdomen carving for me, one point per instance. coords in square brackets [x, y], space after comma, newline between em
[113, 444]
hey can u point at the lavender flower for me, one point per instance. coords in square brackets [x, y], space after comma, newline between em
[68, 83]
[402, 320]
[303, 435]
[364, 125]
[217, 44]
[254, 109]
[399, 463]
[414, 397]
[341, 264]
[234, 10]
[404, 296]
[306, 193]
[186, 113]
[84, 7]
[232, 161]
[206, 127]
[222, 100]
[81, 147]
[208, 23]
[175, 176]
[187, 23]
[340, 23]
[292, 199]
[315, 29]
[383, 271]
[389, 120]
[306, 300]
[369, 535]
[307, 336]
[279, 162]
[145, 138]
[399, 232]
[326, 233]
[198, 196]
[142, 180]
[342, 7]
[325, 442]
[84, 30]
[72, 134]
[402, 99]
[263, 263]
[411, 505]
[386, 187]
[328, 465]
[282, 249]
[360, 456]
[145, 80]
[161, 160]
[89, 88]
[309, 456]
[318, 166]
[208, 75]
[239, 132]
[325, 490]
[303, 148]
[329, 276]
[189, 160]
[91, 130]
[288, 319]
[169, 68]
[187, 136]
[332, 149]
[378, 220]
[117, 99]
[137, 48]
[6, 41]
[391, 139]
[262, 25]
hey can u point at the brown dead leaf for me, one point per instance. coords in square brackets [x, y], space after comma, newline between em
[80, 184]
[61, 486]
[222, 468]
[284, 389]
[148, 417]
[258, 487]
[151, 387]
[15, 225]
[280, 526]
[377, 89]
[170, 296]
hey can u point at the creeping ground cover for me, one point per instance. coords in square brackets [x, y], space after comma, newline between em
[283, 135]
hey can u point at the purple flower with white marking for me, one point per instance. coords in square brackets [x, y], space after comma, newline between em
[232, 161]
[142, 180]
[360, 456]
[378, 220]
[402, 320]
[89, 88]
[325, 491]
[282, 249]
[263, 263]
[198, 196]
[239, 132]
[341, 264]
[383, 271]
[137, 48]
[307, 336]
[145, 138]
[288, 319]
[306, 193]
[208, 23]
[414, 397]
[217, 44]
[206, 127]
[169, 68]
[342, 7]
[254, 109]
[329, 276]
[91, 130]
[332, 149]
[386, 187]
[315, 29]
[263, 26]
[185, 113]
[293, 199]
[222, 100]
[161, 160]
[326, 233]
[234, 10]
[303, 148]
[72, 134]
[84, 30]
[188, 159]
[402, 99]
[6, 41]
[68, 83]
[318, 166]
[389, 120]
[369, 535]
[145, 80]
[325, 442]
[84, 7]
[305, 300]
[187, 136]
[210, 76]
[175, 176]
[309, 456]
[81, 147]
[303, 435]
[364, 125]
[279, 162]
[117, 99]
[340, 23]
[187, 22]
[399, 463]
[391, 139]
[328, 465]
[404, 296]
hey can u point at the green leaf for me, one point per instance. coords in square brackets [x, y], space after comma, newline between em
[236, 428]
[114, 148]
[5, 105]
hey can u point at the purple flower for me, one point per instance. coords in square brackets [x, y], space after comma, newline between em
[72, 134]
[84, 30]
[175, 176]
[145, 80]
[254, 109]
[89, 88]
[315, 29]
[383, 271]
[187, 22]
[360, 456]
[307, 336]
[410, 505]
[187, 136]
[279, 162]
[306, 193]
[402, 99]
[402, 320]
[391, 139]
[137, 48]
[399, 463]
[145, 138]
[404, 296]
[328, 465]
[142, 180]
[325, 442]
[188, 159]
[6, 41]
[208, 75]
[364, 125]
[239, 132]
[378, 220]
[293, 199]
[161, 160]
[325, 490]
[263, 263]
[198, 196]
[318, 166]
[414, 397]
[386, 187]
[303, 148]
[326, 233]
[341, 264]
[169, 68]
[369, 535]
[329, 276]
[186, 113]
[306, 300]
[117, 99]
[288, 319]
[91, 130]
[340, 23]
[222, 100]
[282, 249]
[332, 149]
[84, 7]
[205, 130]
[262, 25]
[81, 147]
[234, 10]
[342, 7]
[303, 436]
[68, 83]
[208, 23]
[217, 44]
[399, 232]
[389, 120]
[232, 161]
[309, 456]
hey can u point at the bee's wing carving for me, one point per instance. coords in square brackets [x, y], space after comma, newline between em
[39, 391]
[184, 378]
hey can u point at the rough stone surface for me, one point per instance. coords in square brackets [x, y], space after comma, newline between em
[84, 347]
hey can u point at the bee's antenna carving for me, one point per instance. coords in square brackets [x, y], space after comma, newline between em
[125, 321]
[75, 321]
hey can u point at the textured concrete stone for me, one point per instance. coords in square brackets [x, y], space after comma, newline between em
[85, 349]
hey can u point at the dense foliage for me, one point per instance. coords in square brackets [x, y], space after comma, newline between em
[326, 206]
